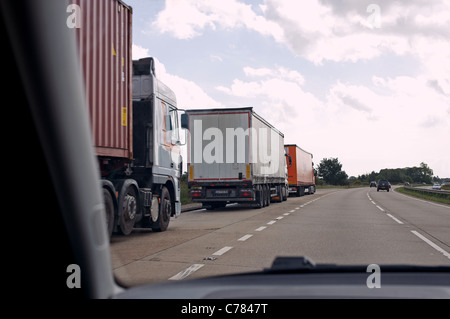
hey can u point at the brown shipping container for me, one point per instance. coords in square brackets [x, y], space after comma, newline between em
[105, 44]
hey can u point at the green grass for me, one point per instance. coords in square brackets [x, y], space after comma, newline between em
[439, 198]
[446, 187]
[184, 192]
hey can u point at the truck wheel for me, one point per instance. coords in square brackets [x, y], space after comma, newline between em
[259, 198]
[286, 193]
[109, 210]
[279, 193]
[165, 210]
[269, 197]
[263, 195]
[264, 191]
[129, 209]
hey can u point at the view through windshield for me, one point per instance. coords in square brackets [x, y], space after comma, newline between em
[259, 129]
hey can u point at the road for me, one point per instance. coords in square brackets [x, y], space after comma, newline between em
[350, 226]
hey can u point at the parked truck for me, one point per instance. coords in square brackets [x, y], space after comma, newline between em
[301, 172]
[133, 117]
[234, 156]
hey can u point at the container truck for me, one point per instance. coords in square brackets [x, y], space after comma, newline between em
[133, 118]
[234, 156]
[301, 172]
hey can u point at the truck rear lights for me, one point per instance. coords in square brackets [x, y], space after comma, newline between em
[196, 193]
[246, 193]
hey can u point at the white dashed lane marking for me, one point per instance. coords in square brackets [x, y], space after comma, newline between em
[222, 251]
[397, 220]
[244, 238]
[183, 274]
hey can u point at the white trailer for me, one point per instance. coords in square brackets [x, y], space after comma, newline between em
[234, 155]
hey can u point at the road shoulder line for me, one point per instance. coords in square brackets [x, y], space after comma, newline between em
[432, 244]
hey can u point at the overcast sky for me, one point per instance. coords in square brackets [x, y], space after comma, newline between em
[367, 82]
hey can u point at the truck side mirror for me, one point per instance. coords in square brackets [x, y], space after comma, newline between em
[289, 160]
[184, 121]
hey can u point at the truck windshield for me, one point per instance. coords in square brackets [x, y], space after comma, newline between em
[174, 125]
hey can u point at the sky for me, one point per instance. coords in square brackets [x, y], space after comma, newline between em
[365, 82]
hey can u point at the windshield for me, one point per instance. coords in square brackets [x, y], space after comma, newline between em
[345, 81]
[315, 131]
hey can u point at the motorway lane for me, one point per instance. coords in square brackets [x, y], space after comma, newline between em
[332, 226]
[145, 256]
[431, 220]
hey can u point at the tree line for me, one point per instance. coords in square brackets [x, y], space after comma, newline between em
[330, 172]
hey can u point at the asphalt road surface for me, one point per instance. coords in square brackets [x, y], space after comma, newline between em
[351, 226]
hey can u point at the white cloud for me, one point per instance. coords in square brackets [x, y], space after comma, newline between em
[215, 58]
[188, 19]
[392, 114]
[318, 30]
[188, 93]
[277, 95]
[139, 52]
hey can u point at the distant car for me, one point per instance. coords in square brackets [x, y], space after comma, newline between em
[407, 184]
[436, 186]
[383, 184]
[373, 184]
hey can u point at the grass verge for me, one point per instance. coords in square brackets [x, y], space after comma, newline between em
[439, 198]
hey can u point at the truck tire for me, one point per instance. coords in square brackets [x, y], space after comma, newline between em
[264, 195]
[164, 212]
[129, 206]
[285, 193]
[109, 210]
[259, 197]
[279, 193]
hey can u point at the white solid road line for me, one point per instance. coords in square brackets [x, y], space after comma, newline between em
[222, 251]
[397, 220]
[244, 238]
[260, 228]
[429, 242]
[183, 274]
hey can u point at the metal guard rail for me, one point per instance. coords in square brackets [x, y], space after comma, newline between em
[426, 190]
